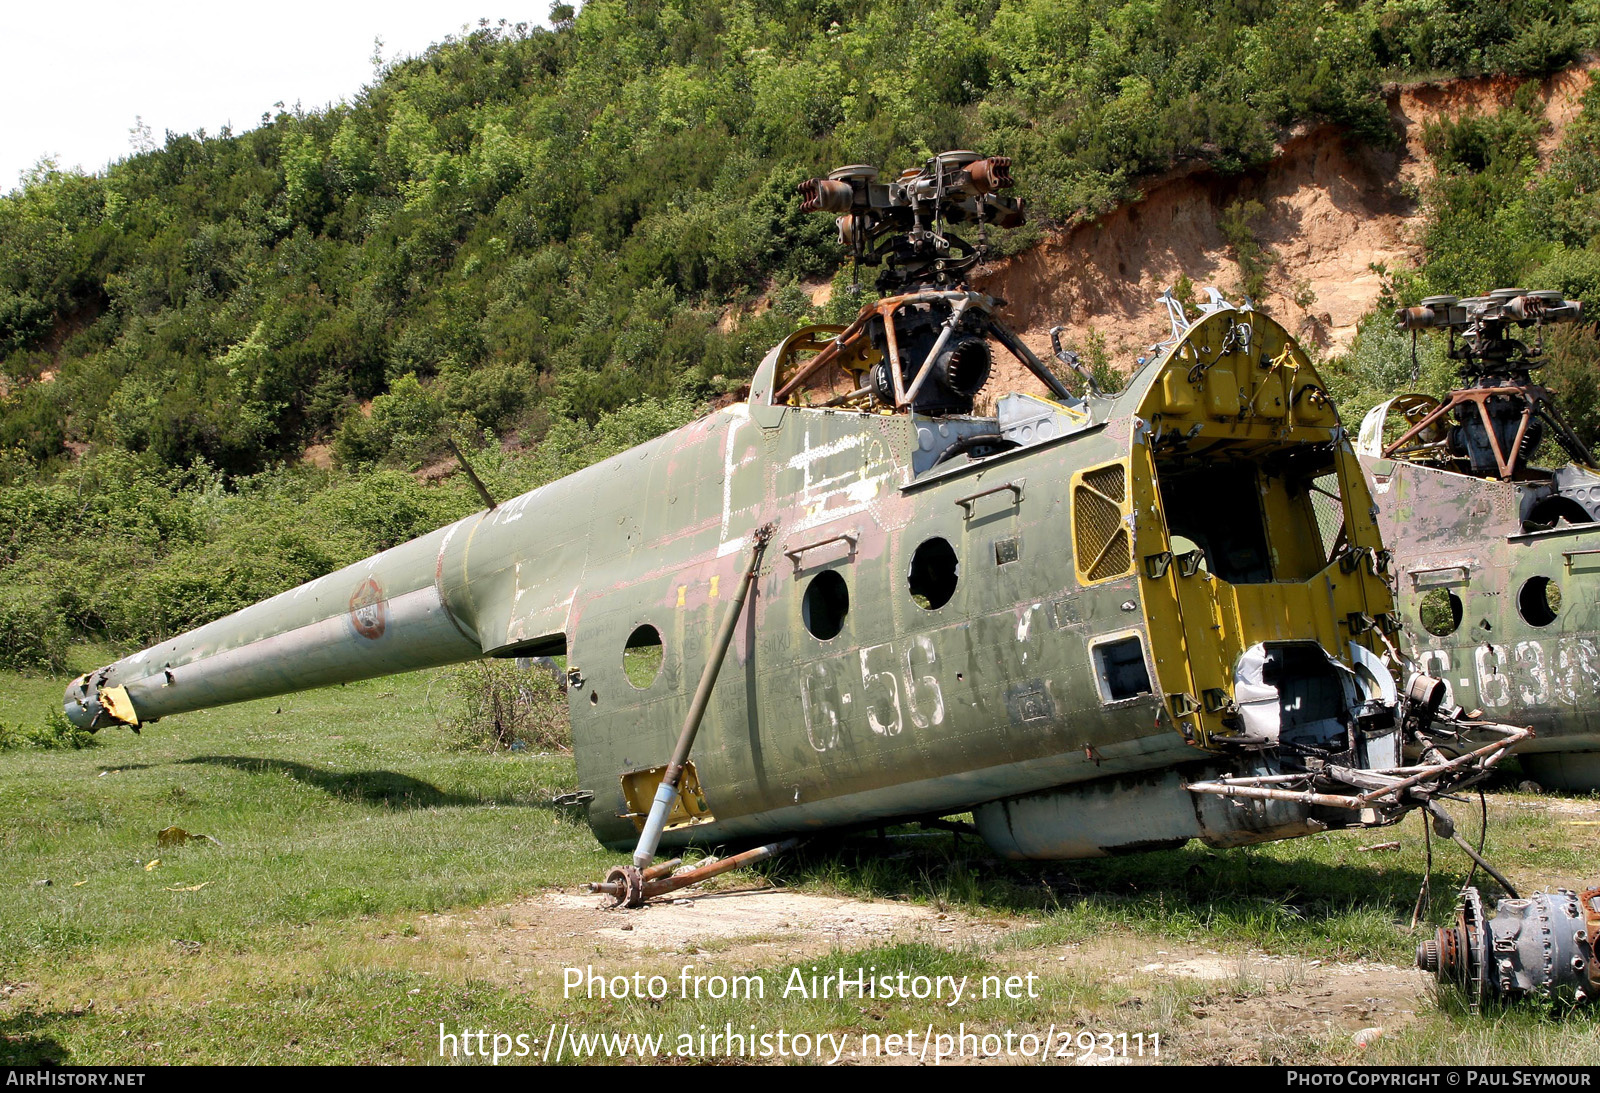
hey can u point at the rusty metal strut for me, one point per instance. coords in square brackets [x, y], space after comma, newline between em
[631, 887]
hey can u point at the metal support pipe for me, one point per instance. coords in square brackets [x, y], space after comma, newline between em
[926, 370]
[661, 869]
[846, 337]
[1227, 788]
[664, 885]
[630, 887]
[472, 475]
[860, 392]
[667, 791]
[1444, 825]
[1327, 800]
[1459, 761]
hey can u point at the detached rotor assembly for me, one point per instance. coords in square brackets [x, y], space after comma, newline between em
[904, 225]
[1501, 415]
[924, 347]
[1544, 946]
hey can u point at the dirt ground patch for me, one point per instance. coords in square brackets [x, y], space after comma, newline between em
[1267, 1001]
[741, 926]
[1235, 1006]
[1214, 998]
[1559, 806]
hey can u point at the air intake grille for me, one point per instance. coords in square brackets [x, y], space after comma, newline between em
[1329, 512]
[1098, 530]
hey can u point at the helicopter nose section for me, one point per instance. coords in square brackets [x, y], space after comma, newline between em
[89, 703]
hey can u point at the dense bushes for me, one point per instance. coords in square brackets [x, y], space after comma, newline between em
[54, 732]
[537, 234]
[533, 224]
[1496, 220]
[117, 549]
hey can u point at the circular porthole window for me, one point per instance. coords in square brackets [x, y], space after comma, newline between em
[824, 605]
[1539, 601]
[1440, 612]
[641, 657]
[934, 575]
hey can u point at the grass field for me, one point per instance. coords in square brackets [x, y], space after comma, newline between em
[348, 908]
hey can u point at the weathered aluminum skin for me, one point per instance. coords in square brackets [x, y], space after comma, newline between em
[1464, 534]
[906, 711]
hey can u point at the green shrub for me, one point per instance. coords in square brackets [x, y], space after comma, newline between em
[521, 214]
[1379, 366]
[33, 633]
[55, 732]
[493, 705]
[541, 232]
[1237, 224]
[1574, 273]
[1493, 221]
[1096, 357]
[1572, 371]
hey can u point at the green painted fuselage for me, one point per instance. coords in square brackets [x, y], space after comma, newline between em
[923, 638]
[1494, 632]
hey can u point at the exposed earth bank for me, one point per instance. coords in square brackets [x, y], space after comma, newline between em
[1332, 212]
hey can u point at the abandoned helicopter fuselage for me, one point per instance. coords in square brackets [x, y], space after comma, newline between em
[1136, 596]
[1497, 560]
[1099, 623]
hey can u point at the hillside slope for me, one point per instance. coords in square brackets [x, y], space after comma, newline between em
[1332, 209]
[561, 237]
[523, 225]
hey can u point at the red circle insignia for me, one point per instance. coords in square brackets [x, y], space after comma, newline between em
[367, 609]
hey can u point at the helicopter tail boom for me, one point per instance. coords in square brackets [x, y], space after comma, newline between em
[387, 614]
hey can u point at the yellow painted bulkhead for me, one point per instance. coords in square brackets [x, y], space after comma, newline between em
[1251, 521]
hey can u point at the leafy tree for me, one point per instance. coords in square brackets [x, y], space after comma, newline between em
[541, 232]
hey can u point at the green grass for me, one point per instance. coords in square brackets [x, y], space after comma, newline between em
[1319, 897]
[344, 803]
[345, 819]
[1451, 1036]
[642, 664]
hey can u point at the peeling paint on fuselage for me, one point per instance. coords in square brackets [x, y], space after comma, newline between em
[873, 702]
